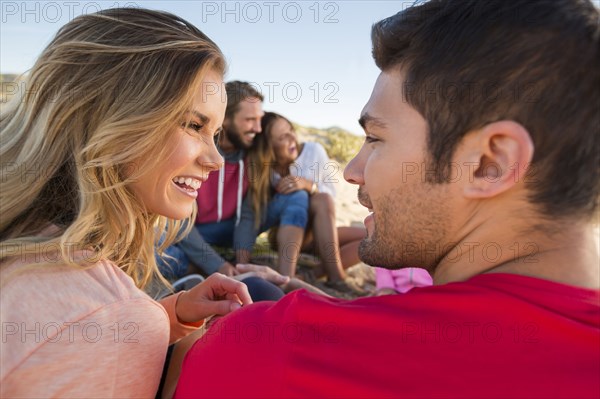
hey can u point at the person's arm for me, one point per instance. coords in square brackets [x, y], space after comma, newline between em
[314, 164]
[217, 295]
[286, 283]
[328, 171]
[200, 253]
[297, 284]
[245, 233]
[178, 329]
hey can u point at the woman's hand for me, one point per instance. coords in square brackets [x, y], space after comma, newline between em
[264, 272]
[218, 294]
[290, 184]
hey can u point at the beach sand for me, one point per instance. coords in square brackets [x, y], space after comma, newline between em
[349, 212]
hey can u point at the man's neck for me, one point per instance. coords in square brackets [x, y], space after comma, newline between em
[569, 256]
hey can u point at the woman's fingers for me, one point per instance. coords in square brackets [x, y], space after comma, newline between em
[218, 294]
[288, 184]
[222, 286]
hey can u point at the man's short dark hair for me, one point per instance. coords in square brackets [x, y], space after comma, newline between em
[468, 63]
[238, 91]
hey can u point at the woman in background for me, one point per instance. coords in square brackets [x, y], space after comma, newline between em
[281, 165]
[102, 153]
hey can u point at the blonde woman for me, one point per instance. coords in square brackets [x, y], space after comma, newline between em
[103, 152]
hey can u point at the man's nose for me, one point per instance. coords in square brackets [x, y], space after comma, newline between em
[354, 171]
[256, 127]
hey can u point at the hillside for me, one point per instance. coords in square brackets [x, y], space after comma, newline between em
[340, 144]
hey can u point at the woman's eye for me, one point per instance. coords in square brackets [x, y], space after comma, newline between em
[193, 125]
[370, 139]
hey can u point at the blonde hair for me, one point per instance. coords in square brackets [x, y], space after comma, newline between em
[104, 93]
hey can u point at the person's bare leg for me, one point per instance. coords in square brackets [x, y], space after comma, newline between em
[350, 238]
[289, 240]
[322, 212]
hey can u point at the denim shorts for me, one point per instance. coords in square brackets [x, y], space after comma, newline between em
[287, 209]
[218, 233]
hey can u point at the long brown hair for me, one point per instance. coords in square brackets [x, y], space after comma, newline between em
[262, 160]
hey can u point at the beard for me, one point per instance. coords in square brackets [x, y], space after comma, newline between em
[410, 225]
[235, 137]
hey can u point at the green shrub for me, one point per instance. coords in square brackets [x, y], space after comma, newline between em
[340, 144]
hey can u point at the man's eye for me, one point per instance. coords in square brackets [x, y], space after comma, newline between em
[370, 139]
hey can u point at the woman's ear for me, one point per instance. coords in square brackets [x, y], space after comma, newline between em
[498, 156]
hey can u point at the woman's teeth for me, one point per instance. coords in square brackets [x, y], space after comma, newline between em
[188, 181]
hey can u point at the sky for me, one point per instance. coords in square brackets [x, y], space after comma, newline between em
[310, 59]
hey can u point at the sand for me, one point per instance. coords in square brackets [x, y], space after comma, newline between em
[350, 212]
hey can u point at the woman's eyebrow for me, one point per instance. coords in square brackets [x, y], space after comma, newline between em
[203, 118]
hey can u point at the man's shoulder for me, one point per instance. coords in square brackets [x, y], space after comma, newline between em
[488, 319]
[479, 295]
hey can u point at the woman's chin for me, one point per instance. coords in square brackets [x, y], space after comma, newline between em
[177, 212]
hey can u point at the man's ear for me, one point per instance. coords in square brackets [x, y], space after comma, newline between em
[498, 156]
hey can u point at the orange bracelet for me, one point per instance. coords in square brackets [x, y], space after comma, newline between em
[186, 323]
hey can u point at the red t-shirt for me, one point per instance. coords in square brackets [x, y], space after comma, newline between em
[495, 335]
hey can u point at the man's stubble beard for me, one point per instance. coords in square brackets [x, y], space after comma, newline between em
[410, 226]
[235, 138]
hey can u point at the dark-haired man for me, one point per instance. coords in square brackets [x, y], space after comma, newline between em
[480, 163]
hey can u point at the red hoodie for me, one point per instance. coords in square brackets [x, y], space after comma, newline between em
[221, 196]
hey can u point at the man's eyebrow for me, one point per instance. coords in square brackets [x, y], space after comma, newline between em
[366, 120]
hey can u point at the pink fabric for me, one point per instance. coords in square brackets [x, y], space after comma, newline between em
[70, 332]
[402, 280]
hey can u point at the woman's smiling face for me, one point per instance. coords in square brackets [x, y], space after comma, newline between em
[284, 141]
[170, 187]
